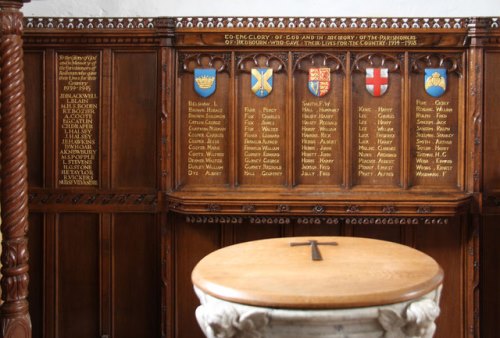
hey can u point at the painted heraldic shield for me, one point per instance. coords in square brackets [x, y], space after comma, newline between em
[435, 81]
[377, 81]
[319, 81]
[262, 81]
[204, 81]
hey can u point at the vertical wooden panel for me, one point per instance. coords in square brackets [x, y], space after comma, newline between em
[316, 230]
[36, 286]
[33, 79]
[387, 232]
[136, 276]
[490, 277]
[443, 243]
[192, 243]
[491, 180]
[78, 275]
[134, 92]
[251, 232]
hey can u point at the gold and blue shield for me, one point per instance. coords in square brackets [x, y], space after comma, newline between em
[204, 81]
[262, 81]
[319, 81]
[435, 81]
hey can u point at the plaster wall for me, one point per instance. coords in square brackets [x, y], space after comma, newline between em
[286, 8]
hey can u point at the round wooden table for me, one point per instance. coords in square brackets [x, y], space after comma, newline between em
[317, 287]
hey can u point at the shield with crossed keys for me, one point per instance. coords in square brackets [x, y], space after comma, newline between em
[262, 81]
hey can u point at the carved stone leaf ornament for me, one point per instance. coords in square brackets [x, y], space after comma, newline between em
[226, 322]
[418, 322]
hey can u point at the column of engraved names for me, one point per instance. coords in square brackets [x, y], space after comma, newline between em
[434, 138]
[377, 149]
[261, 142]
[319, 138]
[78, 109]
[206, 137]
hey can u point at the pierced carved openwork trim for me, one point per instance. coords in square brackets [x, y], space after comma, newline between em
[90, 23]
[321, 22]
[391, 62]
[451, 62]
[302, 62]
[278, 62]
[188, 62]
[316, 220]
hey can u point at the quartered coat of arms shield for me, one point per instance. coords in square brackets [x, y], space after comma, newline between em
[262, 81]
[319, 81]
[435, 81]
[377, 80]
[205, 81]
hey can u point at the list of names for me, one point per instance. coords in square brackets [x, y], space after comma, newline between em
[78, 109]
[206, 122]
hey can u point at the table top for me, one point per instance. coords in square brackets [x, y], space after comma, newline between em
[354, 272]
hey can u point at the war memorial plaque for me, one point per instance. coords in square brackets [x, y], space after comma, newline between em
[262, 119]
[204, 81]
[319, 114]
[78, 118]
[377, 117]
[435, 136]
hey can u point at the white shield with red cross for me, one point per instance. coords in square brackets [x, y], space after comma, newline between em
[377, 81]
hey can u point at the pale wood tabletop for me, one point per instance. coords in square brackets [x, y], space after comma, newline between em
[356, 272]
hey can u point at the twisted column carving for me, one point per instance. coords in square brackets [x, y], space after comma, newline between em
[15, 319]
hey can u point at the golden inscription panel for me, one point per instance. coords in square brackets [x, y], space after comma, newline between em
[376, 123]
[318, 111]
[78, 118]
[204, 125]
[434, 120]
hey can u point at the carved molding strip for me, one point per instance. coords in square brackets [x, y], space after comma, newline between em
[92, 199]
[90, 23]
[323, 22]
[220, 219]
[74, 23]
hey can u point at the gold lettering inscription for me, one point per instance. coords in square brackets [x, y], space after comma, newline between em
[78, 109]
[261, 135]
[319, 137]
[206, 133]
[321, 40]
[433, 139]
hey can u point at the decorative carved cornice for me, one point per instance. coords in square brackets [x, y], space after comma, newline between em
[90, 23]
[321, 23]
[63, 198]
[371, 220]
[113, 23]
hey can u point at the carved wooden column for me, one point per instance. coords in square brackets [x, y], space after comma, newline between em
[15, 319]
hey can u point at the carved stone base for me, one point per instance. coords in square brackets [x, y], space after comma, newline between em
[412, 319]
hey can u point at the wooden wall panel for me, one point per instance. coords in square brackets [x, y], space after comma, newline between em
[491, 148]
[443, 243]
[77, 275]
[34, 86]
[251, 232]
[490, 277]
[134, 115]
[387, 232]
[192, 243]
[36, 251]
[136, 278]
